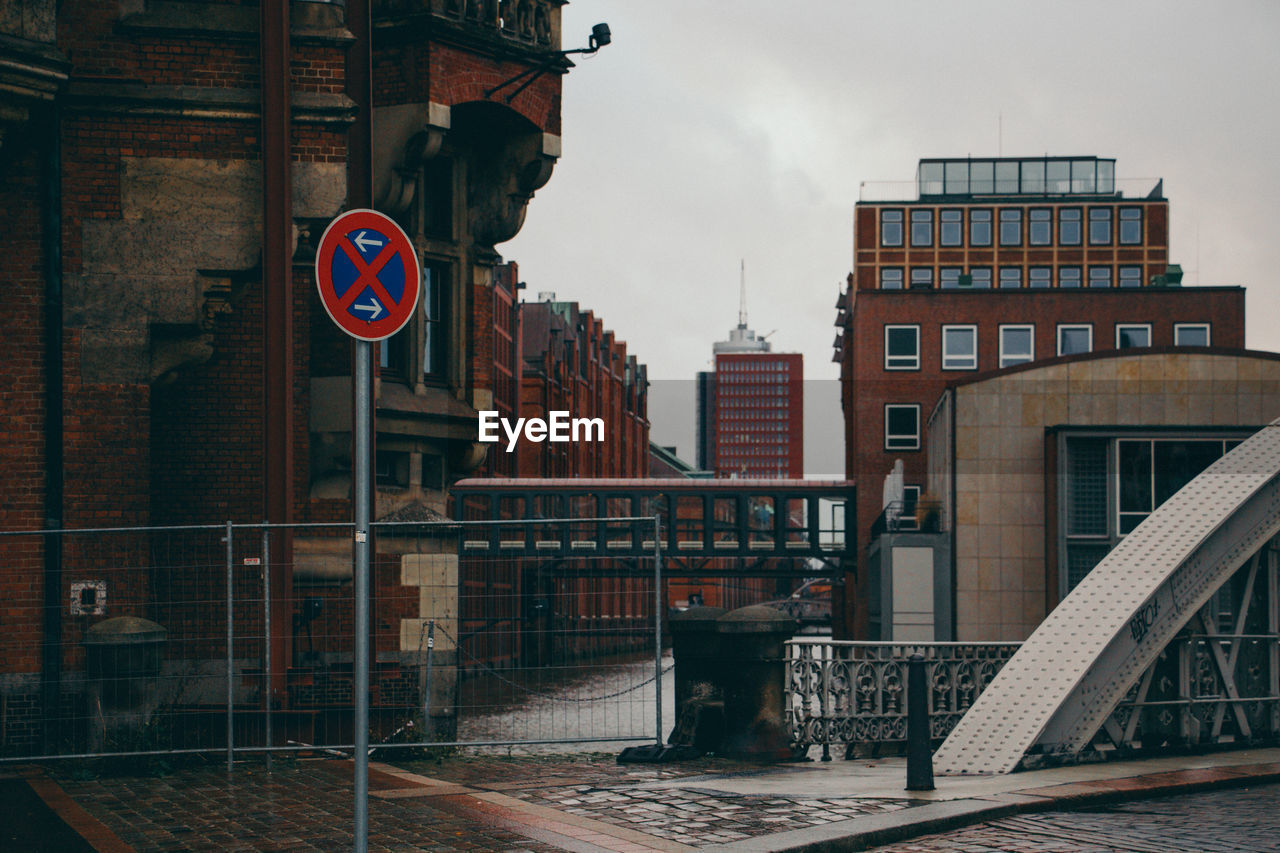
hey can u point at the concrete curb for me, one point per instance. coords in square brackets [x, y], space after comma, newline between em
[863, 833]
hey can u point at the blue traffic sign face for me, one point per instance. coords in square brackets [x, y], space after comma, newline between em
[368, 275]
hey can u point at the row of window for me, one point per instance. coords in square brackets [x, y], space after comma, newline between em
[1035, 175]
[1010, 277]
[753, 366]
[1017, 342]
[1011, 226]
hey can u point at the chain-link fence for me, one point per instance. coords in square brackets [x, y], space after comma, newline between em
[239, 639]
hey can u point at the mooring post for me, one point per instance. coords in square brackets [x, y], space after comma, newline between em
[919, 753]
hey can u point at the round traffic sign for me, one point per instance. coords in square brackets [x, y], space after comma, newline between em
[368, 274]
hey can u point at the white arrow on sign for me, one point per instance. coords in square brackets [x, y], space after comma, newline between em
[374, 308]
[363, 243]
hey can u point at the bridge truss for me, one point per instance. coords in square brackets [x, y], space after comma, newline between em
[1172, 639]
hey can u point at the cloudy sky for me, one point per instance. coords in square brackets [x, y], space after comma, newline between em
[711, 133]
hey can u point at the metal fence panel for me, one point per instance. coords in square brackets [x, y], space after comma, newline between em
[238, 639]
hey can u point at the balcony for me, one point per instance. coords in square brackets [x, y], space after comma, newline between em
[533, 24]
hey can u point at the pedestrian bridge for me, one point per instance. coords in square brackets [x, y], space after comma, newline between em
[1201, 569]
[768, 526]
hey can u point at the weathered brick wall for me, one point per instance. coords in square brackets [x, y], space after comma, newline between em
[22, 389]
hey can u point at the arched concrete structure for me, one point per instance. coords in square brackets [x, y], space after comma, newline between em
[1068, 677]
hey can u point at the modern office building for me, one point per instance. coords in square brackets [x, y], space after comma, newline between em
[1041, 469]
[990, 263]
[750, 408]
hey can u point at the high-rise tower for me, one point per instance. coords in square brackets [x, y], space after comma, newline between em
[750, 408]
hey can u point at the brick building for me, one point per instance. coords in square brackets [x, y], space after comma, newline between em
[751, 408]
[990, 263]
[571, 363]
[173, 165]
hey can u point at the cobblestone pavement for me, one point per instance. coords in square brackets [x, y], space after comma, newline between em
[1228, 821]
[476, 802]
[698, 817]
[306, 807]
[597, 787]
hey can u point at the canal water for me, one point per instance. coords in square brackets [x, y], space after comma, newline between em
[607, 703]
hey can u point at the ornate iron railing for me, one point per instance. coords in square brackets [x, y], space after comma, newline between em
[535, 23]
[850, 693]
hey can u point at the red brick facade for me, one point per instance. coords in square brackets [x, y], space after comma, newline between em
[572, 364]
[906, 287]
[759, 415]
[157, 204]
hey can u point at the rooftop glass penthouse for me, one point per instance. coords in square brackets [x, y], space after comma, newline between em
[1008, 176]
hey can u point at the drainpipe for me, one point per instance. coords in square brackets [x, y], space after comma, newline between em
[277, 314]
[51, 250]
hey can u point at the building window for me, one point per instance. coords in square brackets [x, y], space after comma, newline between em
[1058, 177]
[1069, 226]
[1033, 176]
[1085, 504]
[1011, 226]
[1010, 277]
[980, 228]
[1017, 344]
[982, 178]
[921, 278]
[907, 517]
[1007, 177]
[980, 278]
[1150, 471]
[1099, 276]
[1130, 276]
[1075, 339]
[1191, 335]
[1130, 226]
[959, 347]
[902, 426]
[891, 228]
[951, 228]
[433, 325]
[901, 347]
[922, 228]
[1099, 226]
[891, 278]
[1040, 277]
[1084, 176]
[1040, 226]
[1132, 335]
[949, 278]
[1068, 276]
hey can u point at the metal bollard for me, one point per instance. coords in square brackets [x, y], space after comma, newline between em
[919, 753]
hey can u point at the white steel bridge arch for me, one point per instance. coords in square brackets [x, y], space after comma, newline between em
[1069, 676]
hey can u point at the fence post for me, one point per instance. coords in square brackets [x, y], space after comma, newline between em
[266, 636]
[919, 754]
[426, 683]
[657, 625]
[231, 662]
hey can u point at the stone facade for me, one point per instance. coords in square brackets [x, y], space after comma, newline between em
[994, 462]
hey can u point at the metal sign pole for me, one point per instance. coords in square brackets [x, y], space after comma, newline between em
[363, 463]
[370, 299]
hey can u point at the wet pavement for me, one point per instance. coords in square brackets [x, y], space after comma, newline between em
[1236, 821]
[590, 803]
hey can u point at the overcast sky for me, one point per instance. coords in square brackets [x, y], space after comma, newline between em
[714, 132]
